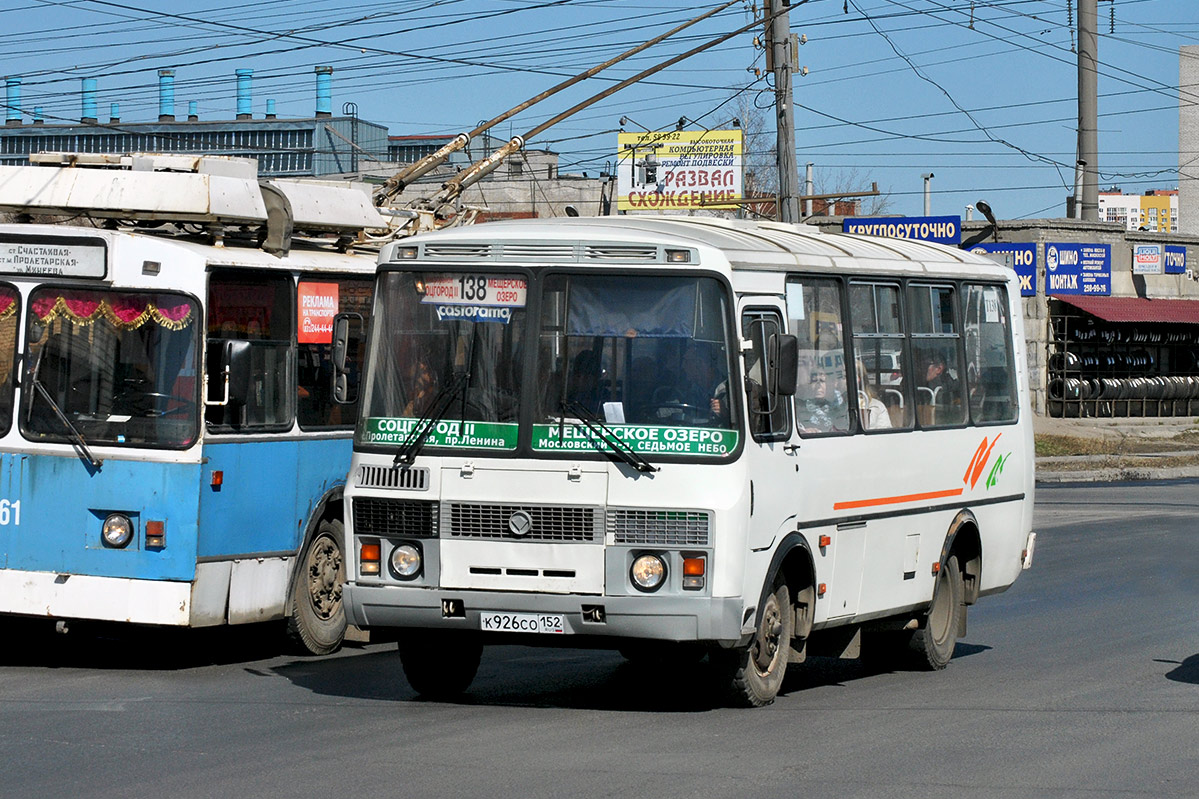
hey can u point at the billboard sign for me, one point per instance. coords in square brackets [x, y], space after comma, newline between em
[941, 229]
[1078, 269]
[1146, 259]
[1020, 257]
[678, 170]
[1175, 258]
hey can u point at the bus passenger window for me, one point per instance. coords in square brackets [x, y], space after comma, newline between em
[257, 309]
[880, 352]
[936, 356]
[989, 365]
[822, 398]
[319, 300]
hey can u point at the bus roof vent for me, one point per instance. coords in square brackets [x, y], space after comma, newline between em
[458, 251]
[541, 252]
[386, 477]
[621, 252]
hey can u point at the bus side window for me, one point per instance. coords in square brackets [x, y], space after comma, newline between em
[320, 299]
[822, 401]
[936, 355]
[768, 418]
[880, 356]
[258, 309]
[989, 365]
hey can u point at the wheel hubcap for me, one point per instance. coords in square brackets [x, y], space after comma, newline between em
[766, 644]
[324, 572]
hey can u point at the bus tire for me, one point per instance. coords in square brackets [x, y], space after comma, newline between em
[317, 623]
[755, 672]
[932, 645]
[440, 664]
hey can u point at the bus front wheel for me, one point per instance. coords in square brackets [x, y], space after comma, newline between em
[755, 673]
[318, 617]
[440, 664]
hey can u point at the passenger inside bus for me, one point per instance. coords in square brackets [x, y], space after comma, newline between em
[822, 410]
[938, 392]
[873, 412]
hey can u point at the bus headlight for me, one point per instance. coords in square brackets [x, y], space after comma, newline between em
[648, 572]
[405, 561]
[117, 531]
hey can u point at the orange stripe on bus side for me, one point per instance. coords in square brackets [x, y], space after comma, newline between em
[871, 503]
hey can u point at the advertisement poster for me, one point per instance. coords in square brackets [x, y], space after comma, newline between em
[678, 170]
[1146, 259]
[317, 304]
[1020, 257]
[1175, 258]
[1078, 269]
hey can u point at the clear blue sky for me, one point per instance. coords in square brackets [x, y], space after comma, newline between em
[979, 92]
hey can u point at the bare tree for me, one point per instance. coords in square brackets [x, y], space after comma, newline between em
[851, 180]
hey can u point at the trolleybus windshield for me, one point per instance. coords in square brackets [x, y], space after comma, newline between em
[120, 366]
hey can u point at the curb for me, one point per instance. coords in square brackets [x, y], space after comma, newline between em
[1117, 474]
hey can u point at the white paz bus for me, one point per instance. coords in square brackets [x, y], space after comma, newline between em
[679, 436]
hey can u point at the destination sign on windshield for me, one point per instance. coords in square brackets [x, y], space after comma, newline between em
[486, 290]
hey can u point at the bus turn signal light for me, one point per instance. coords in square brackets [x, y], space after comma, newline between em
[218, 477]
[693, 573]
[156, 535]
[825, 541]
[368, 559]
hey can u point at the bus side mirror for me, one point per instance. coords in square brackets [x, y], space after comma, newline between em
[785, 352]
[347, 333]
[236, 357]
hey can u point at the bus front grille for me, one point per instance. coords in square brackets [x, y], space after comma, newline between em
[544, 522]
[666, 528]
[393, 518]
[416, 479]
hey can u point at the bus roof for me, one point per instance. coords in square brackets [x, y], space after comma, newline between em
[746, 244]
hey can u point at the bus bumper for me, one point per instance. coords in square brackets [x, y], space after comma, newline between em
[668, 618]
[83, 596]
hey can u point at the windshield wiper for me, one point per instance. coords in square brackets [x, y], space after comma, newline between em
[77, 438]
[424, 426]
[600, 429]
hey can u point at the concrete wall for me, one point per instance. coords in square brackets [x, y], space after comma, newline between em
[1188, 140]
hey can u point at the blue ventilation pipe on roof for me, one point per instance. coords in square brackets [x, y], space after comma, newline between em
[166, 95]
[324, 91]
[89, 100]
[12, 97]
[244, 102]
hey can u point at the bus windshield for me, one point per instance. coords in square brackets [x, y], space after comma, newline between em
[647, 356]
[437, 331]
[120, 366]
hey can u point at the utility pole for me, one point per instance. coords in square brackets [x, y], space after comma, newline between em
[1088, 108]
[778, 37]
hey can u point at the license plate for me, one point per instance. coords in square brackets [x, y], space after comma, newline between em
[554, 623]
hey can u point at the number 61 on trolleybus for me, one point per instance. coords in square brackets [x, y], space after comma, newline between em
[682, 437]
[171, 451]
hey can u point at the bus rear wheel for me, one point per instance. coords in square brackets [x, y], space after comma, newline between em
[755, 673]
[932, 645]
[318, 617]
[440, 664]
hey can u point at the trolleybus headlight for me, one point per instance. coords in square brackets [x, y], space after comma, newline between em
[648, 572]
[405, 561]
[117, 530]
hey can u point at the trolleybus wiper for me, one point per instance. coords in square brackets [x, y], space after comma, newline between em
[78, 440]
[424, 426]
[600, 429]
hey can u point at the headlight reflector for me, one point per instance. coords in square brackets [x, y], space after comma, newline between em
[117, 531]
[648, 572]
[405, 561]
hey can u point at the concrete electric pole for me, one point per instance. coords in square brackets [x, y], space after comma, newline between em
[1088, 108]
[778, 38]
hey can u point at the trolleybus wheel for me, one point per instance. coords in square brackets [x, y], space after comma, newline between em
[755, 672]
[440, 664]
[318, 618]
[932, 645]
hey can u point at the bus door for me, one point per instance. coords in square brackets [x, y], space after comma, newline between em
[774, 479]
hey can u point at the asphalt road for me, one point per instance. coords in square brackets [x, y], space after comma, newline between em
[1082, 680]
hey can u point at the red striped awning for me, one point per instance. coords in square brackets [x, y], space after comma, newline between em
[1136, 309]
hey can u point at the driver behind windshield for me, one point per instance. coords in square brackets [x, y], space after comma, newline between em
[700, 389]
